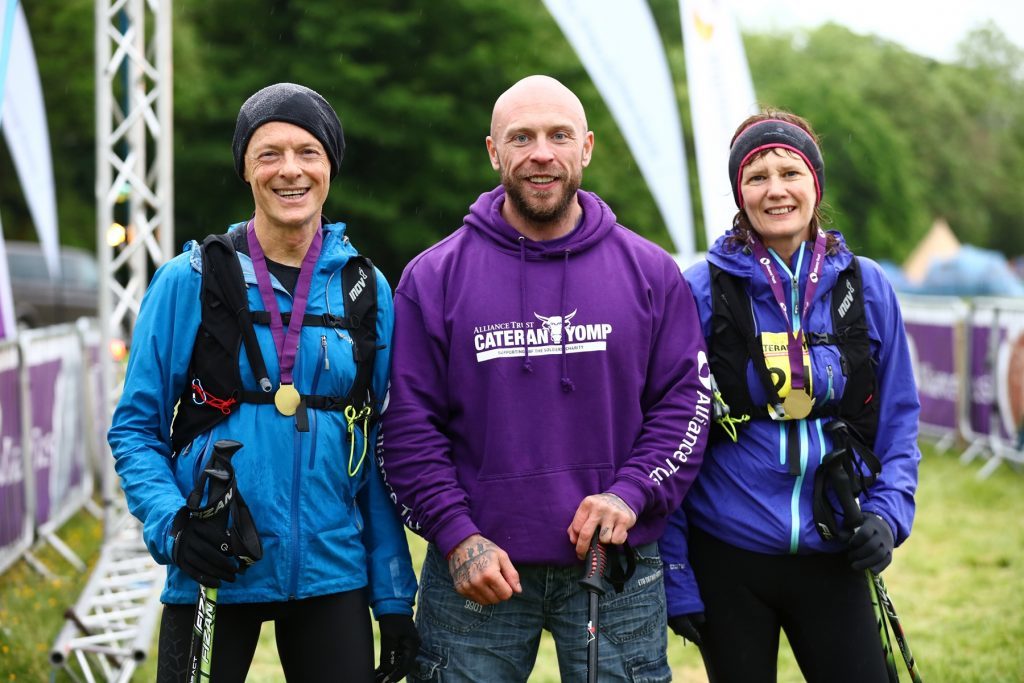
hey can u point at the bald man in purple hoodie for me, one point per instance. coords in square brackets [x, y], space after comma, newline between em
[549, 378]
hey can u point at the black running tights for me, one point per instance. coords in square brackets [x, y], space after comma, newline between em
[318, 639]
[822, 604]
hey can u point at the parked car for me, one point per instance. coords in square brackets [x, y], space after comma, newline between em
[39, 300]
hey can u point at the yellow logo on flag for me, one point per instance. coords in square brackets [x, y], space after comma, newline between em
[705, 29]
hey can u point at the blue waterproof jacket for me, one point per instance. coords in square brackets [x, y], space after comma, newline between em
[323, 529]
[744, 494]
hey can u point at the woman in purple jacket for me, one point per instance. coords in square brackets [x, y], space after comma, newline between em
[807, 347]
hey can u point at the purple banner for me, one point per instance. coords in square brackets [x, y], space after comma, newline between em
[42, 389]
[12, 464]
[983, 413]
[70, 410]
[933, 351]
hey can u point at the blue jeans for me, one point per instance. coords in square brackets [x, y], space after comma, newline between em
[466, 641]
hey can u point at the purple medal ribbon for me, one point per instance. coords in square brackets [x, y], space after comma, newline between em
[796, 339]
[287, 343]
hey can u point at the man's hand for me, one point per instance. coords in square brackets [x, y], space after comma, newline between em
[605, 510]
[482, 571]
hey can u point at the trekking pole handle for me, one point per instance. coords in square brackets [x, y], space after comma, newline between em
[225, 448]
[594, 565]
[218, 477]
[843, 488]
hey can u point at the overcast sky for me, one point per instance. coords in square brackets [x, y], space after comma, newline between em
[931, 28]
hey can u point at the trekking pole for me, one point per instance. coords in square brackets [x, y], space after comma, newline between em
[884, 609]
[218, 474]
[593, 581]
[897, 628]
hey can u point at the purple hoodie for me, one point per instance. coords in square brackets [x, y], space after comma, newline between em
[528, 375]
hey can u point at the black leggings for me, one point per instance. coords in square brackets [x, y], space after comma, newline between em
[323, 638]
[823, 606]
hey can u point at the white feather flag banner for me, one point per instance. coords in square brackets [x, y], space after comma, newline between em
[618, 43]
[721, 97]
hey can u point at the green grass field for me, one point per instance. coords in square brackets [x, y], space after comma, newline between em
[958, 585]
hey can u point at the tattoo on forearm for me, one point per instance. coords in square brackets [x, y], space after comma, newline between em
[465, 565]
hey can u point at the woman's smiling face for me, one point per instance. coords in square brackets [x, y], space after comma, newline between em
[779, 197]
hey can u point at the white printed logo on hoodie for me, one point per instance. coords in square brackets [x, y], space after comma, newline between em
[542, 337]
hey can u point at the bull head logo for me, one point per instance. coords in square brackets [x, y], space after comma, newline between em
[555, 324]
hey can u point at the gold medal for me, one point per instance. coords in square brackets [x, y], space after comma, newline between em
[287, 399]
[797, 404]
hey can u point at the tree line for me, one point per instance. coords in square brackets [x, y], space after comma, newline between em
[906, 139]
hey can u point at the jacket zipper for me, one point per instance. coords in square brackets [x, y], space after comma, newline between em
[296, 541]
[794, 504]
[321, 364]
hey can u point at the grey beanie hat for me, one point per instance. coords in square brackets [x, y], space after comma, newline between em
[295, 104]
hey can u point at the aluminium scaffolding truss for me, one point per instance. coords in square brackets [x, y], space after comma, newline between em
[109, 630]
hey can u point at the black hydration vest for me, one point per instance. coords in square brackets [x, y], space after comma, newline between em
[227, 326]
[733, 344]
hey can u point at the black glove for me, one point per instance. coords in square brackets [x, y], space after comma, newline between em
[686, 625]
[201, 549]
[399, 643]
[871, 546]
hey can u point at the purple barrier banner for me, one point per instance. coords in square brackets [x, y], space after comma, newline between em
[14, 528]
[42, 392]
[932, 333]
[938, 386]
[984, 338]
[53, 363]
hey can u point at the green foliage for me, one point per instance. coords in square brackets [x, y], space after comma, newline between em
[906, 139]
[413, 84]
[32, 607]
[62, 37]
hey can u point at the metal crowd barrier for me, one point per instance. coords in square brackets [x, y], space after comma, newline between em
[54, 414]
[968, 360]
[46, 471]
[16, 529]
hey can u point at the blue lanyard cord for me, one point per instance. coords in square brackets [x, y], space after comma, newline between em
[794, 281]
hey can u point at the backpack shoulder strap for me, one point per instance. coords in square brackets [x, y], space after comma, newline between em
[859, 404]
[359, 283]
[848, 299]
[736, 340]
[222, 278]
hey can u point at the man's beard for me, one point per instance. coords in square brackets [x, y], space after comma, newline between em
[533, 210]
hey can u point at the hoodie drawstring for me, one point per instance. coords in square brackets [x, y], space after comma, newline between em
[567, 384]
[527, 365]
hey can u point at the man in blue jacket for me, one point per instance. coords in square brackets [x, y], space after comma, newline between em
[333, 545]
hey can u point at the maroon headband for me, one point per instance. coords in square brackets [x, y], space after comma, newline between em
[774, 134]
